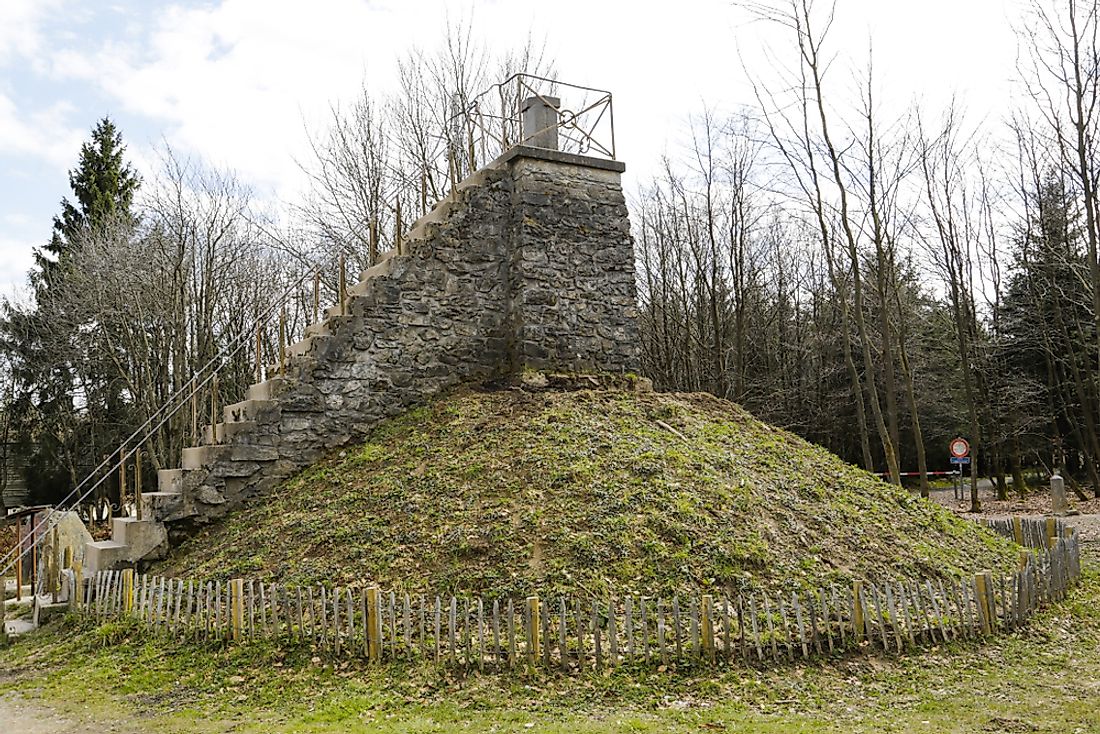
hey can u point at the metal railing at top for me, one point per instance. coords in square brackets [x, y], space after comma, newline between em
[582, 119]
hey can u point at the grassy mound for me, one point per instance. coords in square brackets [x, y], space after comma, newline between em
[509, 490]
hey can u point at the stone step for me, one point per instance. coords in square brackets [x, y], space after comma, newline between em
[170, 481]
[200, 457]
[225, 432]
[228, 432]
[297, 349]
[318, 329]
[269, 389]
[160, 505]
[247, 410]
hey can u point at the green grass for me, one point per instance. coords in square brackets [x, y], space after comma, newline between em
[1044, 679]
[510, 491]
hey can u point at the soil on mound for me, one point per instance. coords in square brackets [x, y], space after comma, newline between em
[507, 491]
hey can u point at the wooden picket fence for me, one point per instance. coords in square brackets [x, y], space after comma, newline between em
[1028, 531]
[575, 634]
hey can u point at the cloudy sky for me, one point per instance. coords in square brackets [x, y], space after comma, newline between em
[238, 82]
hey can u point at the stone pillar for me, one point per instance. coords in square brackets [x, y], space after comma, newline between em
[540, 122]
[1058, 502]
[571, 272]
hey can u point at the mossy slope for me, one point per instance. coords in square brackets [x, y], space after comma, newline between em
[509, 490]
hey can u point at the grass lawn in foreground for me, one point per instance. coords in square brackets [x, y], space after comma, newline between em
[1046, 678]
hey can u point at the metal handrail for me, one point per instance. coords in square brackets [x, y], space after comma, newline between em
[173, 405]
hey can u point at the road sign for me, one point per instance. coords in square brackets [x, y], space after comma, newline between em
[959, 448]
[960, 459]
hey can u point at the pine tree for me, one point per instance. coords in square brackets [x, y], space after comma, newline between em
[66, 414]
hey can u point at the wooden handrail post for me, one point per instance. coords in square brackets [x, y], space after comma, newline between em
[373, 241]
[121, 481]
[397, 235]
[316, 297]
[259, 353]
[282, 341]
[137, 484]
[213, 405]
[343, 294]
[19, 560]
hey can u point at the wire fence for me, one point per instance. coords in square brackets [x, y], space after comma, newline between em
[572, 633]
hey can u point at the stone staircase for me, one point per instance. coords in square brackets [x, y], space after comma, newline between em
[527, 263]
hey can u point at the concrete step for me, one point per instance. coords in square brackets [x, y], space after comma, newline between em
[246, 410]
[225, 432]
[269, 389]
[141, 536]
[170, 481]
[199, 457]
[102, 555]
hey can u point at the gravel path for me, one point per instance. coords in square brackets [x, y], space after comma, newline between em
[21, 716]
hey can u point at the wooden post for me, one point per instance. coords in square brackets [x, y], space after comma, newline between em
[121, 481]
[374, 241]
[858, 620]
[1051, 532]
[55, 564]
[1018, 530]
[213, 406]
[397, 234]
[127, 590]
[316, 297]
[194, 417]
[259, 353]
[532, 630]
[19, 560]
[374, 624]
[78, 586]
[236, 593]
[137, 484]
[981, 591]
[707, 622]
[282, 341]
[343, 287]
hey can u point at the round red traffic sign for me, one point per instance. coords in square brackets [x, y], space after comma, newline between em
[960, 447]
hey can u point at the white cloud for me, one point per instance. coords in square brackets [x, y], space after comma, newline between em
[20, 27]
[42, 133]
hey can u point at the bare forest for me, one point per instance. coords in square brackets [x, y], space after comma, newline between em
[878, 280]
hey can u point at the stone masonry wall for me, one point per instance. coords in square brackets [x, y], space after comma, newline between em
[532, 267]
